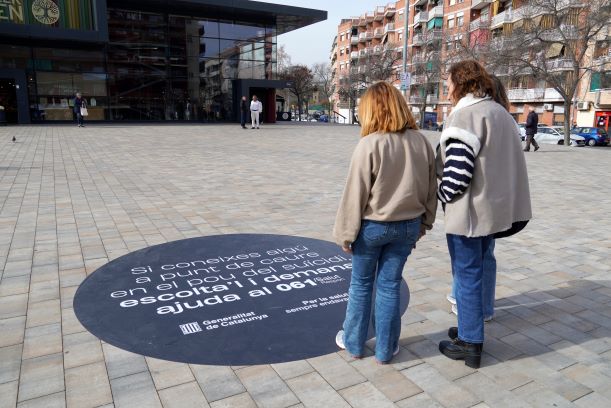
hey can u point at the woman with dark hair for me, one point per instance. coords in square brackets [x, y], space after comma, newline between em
[484, 188]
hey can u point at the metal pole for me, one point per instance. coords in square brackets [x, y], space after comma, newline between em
[405, 32]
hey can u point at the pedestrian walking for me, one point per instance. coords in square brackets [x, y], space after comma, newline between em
[486, 195]
[80, 109]
[256, 107]
[532, 124]
[243, 111]
[388, 204]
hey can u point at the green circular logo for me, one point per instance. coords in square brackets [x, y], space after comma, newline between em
[45, 11]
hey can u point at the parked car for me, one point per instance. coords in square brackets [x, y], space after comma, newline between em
[555, 135]
[593, 136]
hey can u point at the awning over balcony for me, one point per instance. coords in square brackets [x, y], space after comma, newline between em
[554, 50]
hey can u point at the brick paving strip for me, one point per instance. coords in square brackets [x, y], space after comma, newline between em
[73, 199]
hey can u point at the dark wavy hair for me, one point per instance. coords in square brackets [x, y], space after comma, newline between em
[470, 77]
[500, 94]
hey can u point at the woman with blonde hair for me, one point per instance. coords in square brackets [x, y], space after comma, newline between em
[388, 204]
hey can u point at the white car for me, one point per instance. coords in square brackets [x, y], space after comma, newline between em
[555, 135]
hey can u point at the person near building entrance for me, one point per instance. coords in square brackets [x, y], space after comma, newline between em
[256, 107]
[79, 105]
[532, 122]
[243, 111]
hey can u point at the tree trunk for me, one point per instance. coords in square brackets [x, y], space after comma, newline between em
[567, 122]
[299, 107]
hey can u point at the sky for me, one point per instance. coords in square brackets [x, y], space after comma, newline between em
[312, 44]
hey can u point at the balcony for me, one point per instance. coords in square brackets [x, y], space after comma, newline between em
[416, 100]
[418, 59]
[379, 14]
[526, 94]
[378, 49]
[362, 21]
[479, 24]
[390, 10]
[603, 97]
[363, 53]
[420, 2]
[389, 27]
[502, 43]
[363, 37]
[378, 32]
[354, 39]
[480, 4]
[354, 55]
[369, 17]
[421, 18]
[369, 35]
[435, 12]
[434, 35]
[501, 18]
[432, 99]
[569, 32]
[418, 79]
[561, 64]
[418, 40]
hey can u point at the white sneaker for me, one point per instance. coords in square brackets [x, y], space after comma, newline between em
[397, 350]
[455, 310]
[339, 340]
[451, 298]
[488, 318]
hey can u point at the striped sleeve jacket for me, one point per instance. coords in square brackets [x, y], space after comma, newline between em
[457, 170]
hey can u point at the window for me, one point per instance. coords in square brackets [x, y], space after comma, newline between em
[460, 20]
[341, 38]
[450, 22]
[600, 80]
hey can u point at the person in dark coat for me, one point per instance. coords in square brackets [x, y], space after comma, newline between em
[244, 109]
[79, 102]
[532, 122]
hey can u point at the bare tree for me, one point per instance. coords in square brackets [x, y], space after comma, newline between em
[553, 44]
[323, 76]
[301, 83]
[373, 64]
[283, 58]
[426, 72]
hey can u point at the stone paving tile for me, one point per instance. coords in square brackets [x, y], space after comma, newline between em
[87, 386]
[81, 349]
[57, 400]
[42, 340]
[266, 387]
[187, 395]
[315, 392]
[365, 395]
[336, 371]
[121, 363]
[8, 393]
[13, 331]
[70, 202]
[217, 382]
[136, 390]
[237, 401]
[41, 376]
[168, 374]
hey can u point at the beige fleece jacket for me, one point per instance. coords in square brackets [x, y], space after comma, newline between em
[391, 178]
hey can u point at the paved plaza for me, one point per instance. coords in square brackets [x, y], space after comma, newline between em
[73, 199]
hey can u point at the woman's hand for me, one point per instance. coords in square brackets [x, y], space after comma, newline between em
[347, 250]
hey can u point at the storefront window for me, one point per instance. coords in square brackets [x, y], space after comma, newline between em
[74, 15]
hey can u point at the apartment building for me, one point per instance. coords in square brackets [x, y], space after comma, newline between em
[441, 32]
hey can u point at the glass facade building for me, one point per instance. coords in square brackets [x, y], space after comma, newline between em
[141, 60]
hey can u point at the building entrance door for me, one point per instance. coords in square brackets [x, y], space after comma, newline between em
[8, 101]
[14, 96]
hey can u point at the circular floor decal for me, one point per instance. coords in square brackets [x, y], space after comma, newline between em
[222, 300]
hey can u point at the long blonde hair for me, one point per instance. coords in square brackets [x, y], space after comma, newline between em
[383, 109]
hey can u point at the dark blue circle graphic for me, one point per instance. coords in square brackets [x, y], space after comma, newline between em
[239, 299]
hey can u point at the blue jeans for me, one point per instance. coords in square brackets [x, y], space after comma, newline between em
[379, 251]
[488, 280]
[468, 265]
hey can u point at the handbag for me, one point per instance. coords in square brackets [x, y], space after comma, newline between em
[84, 111]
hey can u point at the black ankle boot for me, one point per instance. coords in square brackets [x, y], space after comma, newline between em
[460, 350]
[453, 333]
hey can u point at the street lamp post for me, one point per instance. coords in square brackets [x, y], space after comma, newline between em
[405, 28]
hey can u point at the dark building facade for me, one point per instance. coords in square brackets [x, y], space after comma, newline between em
[141, 60]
